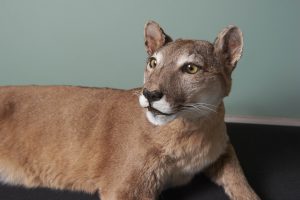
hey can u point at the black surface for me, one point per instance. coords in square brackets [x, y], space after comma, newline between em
[269, 155]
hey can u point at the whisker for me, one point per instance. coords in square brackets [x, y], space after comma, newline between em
[194, 108]
[213, 110]
[199, 107]
[202, 106]
[191, 109]
[207, 104]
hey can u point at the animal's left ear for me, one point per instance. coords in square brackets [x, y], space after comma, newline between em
[228, 46]
[155, 37]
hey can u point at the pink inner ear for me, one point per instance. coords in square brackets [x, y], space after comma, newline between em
[151, 45]
[233, 44]
[154, 32]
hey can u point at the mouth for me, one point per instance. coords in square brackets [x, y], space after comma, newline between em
[157, 112]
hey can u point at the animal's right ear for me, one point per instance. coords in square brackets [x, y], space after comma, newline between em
[154, 37]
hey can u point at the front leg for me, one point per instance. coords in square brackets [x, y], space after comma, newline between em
[227, 172]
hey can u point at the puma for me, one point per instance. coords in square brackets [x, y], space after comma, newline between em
[129, 144]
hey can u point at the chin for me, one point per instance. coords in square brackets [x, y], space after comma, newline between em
[158, 119]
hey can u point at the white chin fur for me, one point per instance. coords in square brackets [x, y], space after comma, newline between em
[162, 105]
[159, 119]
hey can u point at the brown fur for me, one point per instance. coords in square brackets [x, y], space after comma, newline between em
[93, 139]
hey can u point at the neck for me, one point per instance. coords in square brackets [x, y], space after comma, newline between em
[182, 135]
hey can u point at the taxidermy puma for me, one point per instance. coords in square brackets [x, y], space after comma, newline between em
[129, 144]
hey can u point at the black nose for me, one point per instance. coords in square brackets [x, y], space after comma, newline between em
[152, 95]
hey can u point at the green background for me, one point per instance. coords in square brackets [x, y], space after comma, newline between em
[100, 43]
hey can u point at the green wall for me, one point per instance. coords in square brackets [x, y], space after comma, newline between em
[100, 43]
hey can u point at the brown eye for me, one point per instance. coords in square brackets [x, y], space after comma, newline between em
[191, 68]
[152, 63]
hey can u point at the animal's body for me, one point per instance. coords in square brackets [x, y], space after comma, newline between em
[124, 146]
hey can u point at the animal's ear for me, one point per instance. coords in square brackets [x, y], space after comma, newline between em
[229, 46]
[154, 37]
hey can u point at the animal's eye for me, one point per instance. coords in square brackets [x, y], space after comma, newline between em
[191, 68]
[152, 63]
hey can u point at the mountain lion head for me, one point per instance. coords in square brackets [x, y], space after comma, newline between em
[187, 78]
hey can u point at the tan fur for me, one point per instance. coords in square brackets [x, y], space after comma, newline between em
[97, 139]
